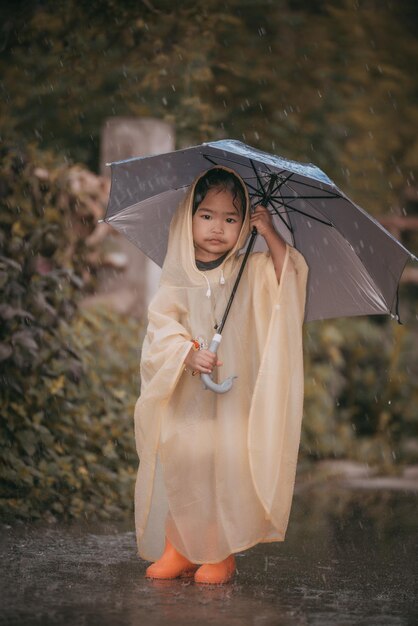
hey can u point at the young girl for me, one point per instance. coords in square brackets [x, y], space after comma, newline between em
[217, 471]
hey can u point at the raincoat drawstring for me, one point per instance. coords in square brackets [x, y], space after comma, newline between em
[209, 290]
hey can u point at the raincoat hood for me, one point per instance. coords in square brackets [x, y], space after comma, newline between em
[179, 268]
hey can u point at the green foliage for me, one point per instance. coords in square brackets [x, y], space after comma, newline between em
[361, 400]
[68, 442]
[332, 82]
[66, 435]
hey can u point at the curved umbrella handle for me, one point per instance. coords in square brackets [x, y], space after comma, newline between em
[207, 380]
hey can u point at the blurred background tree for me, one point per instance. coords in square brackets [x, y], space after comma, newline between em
[69, 377]
[332, 82]
[329, 82]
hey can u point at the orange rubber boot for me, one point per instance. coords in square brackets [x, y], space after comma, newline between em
[172, 564]
[216, 573]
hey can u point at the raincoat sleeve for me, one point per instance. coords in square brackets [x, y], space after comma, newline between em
[277, 405]
[164, 349]
[166, 345]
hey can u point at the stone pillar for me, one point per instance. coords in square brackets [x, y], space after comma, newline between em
[122, 138]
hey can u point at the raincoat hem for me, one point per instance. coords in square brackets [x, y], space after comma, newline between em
[233, 551]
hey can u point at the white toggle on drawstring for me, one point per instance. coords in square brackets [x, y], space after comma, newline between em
[209, 291]
[222, 278]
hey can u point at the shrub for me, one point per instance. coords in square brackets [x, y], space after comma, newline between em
[361, 400]
[68, 380]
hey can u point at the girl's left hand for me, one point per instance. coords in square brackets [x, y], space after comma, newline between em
[262, 220]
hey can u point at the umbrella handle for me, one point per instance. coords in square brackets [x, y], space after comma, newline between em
[207, 380]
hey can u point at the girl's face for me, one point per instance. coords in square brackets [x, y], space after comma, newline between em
[216, 225]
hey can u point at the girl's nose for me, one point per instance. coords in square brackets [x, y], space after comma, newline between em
[218, 227]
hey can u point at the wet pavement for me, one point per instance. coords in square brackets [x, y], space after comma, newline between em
[350, 557]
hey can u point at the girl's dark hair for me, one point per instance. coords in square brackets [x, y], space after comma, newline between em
[218, 178]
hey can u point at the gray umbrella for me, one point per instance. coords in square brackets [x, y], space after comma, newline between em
[354, 264]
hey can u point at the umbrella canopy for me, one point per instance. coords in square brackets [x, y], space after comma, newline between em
[354, 264]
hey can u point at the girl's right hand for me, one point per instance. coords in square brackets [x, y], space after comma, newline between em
[202, 361]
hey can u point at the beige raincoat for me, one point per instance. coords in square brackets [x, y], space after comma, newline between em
[217, 471]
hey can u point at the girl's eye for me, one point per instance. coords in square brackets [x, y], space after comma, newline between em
[231, 220]
[206, 216]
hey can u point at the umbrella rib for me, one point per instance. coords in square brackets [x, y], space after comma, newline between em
[395, 299]
[290, 225]
[377, 288]
[278, 213]
[311, 197]
[327, 223]
[294, 210]
[312, 217]
[304, 184]
[208, 158]
[240, 163]
[280, 184]
[268, 194]
[262, 194]
[253, 189]
[256, 192]
[330, 194]
[259, 181]
[272, 199]
[205, 156]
